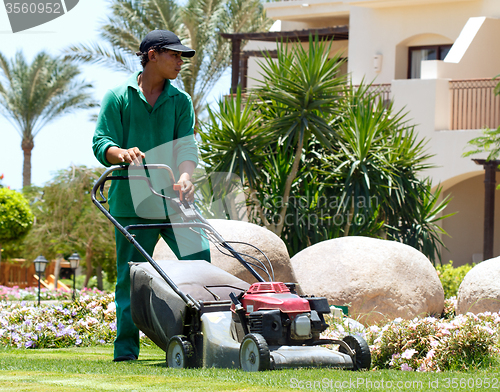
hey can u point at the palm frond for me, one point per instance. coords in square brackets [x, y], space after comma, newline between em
[95, 53]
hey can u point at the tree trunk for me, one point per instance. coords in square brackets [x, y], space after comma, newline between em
[258, 207]
[27, 146]
[88, 262]
[57, 270]
[98, 272]
[277, 229]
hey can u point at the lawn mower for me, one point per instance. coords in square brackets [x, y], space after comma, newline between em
[202, 316]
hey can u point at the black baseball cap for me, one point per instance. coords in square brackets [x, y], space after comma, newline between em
[167, 40]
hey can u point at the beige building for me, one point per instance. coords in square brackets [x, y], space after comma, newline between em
[435, 58]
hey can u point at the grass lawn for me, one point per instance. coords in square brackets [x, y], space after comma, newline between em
[91, 369]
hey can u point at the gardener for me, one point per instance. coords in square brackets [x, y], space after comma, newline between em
[148, 120]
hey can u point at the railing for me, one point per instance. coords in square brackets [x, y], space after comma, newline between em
[473, 104]
[382, 91]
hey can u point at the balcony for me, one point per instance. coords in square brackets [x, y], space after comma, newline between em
[473, 103]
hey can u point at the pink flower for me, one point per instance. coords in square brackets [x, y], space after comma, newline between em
[407, 368]
[408, 353]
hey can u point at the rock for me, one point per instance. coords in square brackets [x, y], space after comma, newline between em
[377, 279]
[260, 237]
[479, 292]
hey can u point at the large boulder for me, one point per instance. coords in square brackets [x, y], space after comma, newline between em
[239, 231]
[480, 289]
[377, 279]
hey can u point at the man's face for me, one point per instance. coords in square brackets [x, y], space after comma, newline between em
[169, 63]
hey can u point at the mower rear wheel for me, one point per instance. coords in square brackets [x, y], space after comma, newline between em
[254, 353]
[363, 358]
[180, 353]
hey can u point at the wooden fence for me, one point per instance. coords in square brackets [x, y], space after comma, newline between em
[18, 273]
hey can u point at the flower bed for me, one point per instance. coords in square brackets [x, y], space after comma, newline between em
[90, 320]
[463, 342]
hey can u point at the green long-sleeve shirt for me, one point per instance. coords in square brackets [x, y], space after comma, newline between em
[163, 132]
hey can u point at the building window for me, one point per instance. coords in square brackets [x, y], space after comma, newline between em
[417, 54]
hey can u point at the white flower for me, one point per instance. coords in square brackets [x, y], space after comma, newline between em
[489, 330]
[434, 343]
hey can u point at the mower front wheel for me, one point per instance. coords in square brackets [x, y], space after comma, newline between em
[180, 353]
[254, 353]
[363, 359]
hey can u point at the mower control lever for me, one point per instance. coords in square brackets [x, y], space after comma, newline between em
[177, 188]
[181, 205]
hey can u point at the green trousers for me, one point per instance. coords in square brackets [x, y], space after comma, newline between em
[181, 241]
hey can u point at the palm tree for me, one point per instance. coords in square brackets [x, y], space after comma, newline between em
[33, 95]
[197, 23]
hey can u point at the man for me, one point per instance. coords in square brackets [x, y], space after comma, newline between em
[148, 120]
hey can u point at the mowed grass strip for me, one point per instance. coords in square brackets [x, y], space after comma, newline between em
[91, 369]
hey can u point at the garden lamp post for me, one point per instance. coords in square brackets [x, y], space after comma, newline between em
[74, 260]
[40, 264]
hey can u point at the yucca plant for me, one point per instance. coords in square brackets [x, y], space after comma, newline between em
[420, 227]
[299, 91]
[324, 159]
[33, 95]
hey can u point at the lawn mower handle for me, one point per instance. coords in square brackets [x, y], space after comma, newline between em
[204, 224]
[190, 301]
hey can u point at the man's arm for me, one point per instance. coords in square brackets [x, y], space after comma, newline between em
[186, 169]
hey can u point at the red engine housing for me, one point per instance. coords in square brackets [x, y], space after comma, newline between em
[274, 295]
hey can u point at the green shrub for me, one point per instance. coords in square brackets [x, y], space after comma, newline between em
[451, 277]
[16, 217]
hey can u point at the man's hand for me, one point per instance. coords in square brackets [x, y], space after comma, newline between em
[187, 189]
[133, 155]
